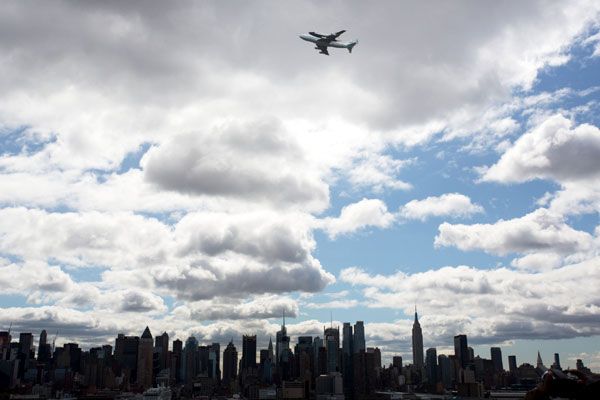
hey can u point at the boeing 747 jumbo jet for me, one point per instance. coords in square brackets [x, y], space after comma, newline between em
[324, 41]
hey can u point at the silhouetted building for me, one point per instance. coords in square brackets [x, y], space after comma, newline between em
[145, 360]
[496, 355]
[332, 343]
[431, 366]
[329, 387]
[347, 352]
[230, 363]
[417, 343]
[512, 365]
[189, 362]
[471, 354]
[556, 364]
[446, 371]
[461, 350]
[248, 351]
[359, 343]
[44, 349]
[176, 359]
[214, 358]
[539, 364]
[581, 368]
[282, 342]
[161, 344]
[5, 339]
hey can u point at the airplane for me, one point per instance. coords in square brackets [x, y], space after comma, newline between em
[324, 41]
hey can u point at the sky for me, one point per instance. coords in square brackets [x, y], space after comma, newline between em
[197, 168]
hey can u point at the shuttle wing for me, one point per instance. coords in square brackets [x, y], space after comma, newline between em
[323, 48]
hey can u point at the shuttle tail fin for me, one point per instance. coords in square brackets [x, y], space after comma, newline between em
[351, 45]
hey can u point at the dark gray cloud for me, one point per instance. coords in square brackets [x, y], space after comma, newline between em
[252, 161]
[205, 281]
[263, 235]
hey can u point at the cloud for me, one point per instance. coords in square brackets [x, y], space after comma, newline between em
[258, 307]
[553, 150]
[265, 235]
[251, 161]
[333, 304]
[378, 172]
[240, 277]
[449, 204]
[490, 305]
[119, 240]
[594, 40]
[539, 231]
[137, 301]
[203, 256]
[355, 216]
[33, 276]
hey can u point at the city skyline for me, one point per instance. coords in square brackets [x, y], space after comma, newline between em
[262, 343]
[314, 367]
[199, 169]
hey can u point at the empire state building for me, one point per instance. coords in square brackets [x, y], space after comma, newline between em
[417, 343]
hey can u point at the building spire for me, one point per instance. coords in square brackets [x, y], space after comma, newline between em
[283, 317]
[416, 316]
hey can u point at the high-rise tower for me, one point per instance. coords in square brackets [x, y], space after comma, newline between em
[461, 350]
[417, 343]
[282, 343]
[496, 354]
[248, 351]
[144, 362]
[359, 337]
[230, 362]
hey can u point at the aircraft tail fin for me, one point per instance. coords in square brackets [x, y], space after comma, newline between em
[351, 45]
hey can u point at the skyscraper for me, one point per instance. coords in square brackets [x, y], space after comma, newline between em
[161, 343]
[359, 337]
[332, 343]
[431, 366]
[189, 364]
[248, 351]
[347, 351]
[176, 360]
[496, 354]
[556, 361]
[446, 370]
[44, 351]
[539, 363]
[144, 363]
[25, 344]
[461, 350]
[214, 357]
[347, 340]
[270, 350]
[282, 342]
[512, 365]
[417, 343]
[230, 362]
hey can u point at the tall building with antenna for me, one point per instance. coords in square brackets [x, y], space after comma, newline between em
[417, 343]
[282, 342]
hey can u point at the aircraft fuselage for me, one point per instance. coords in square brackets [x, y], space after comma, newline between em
[324, 43]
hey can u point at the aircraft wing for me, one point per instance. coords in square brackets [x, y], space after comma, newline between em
[323, 48]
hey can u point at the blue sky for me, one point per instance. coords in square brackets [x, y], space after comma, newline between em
[200, 169]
